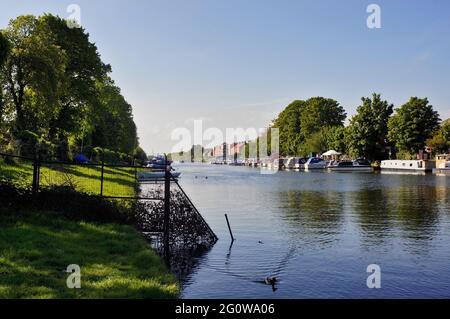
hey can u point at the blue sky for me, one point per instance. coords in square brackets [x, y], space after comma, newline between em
[238, 63]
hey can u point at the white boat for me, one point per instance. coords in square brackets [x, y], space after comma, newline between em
[359, 165]
[294, 163]
[300, 163]
[315, 163]
[237, 162]
[408, 165]
[151, 176]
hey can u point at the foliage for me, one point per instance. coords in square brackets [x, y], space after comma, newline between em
[4, 51]
[70, 203]
[301, 125]
[54, 84]
[33, 74]
[289, 125]
[320, 112]
[369, 127]
[440, 141]
[412, 125]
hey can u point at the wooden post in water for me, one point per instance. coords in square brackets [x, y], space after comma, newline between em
[229, 228]
[166, 211]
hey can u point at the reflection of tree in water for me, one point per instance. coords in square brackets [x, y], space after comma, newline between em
[372, 208]
[414, 209]
[316, 216]
[417, 211]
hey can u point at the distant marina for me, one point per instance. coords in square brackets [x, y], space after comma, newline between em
[233, 155]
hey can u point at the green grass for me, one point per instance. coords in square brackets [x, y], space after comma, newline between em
[115, 261]
[118, 181]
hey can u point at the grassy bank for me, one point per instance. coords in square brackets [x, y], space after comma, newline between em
[118, 181]
[36, 247]
[115, 261]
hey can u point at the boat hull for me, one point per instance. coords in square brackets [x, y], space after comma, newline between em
[408, 165]
[351, 169]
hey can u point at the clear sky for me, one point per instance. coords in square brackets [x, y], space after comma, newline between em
[238, 63]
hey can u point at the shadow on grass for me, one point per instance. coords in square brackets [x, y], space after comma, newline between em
[89, 178]
[115, 260]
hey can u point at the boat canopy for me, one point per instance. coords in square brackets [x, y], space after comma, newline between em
[331, 153]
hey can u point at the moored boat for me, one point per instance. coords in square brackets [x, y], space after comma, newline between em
[408, 165]
[315, 163]
[359, 165]
[294, 163]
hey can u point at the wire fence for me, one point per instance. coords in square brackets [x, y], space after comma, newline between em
[102, 179]
[168, 210]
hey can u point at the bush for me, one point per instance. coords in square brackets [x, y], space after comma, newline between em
[64, 200]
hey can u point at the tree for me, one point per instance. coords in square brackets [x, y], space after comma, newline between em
[83, 69]
[113, 124]
[320, 112]
[4, 51]
[140, 155]
[289, 125]
[33, 74]
[55, 90]
[315, 144]
[369, 127]
[440, 141]
[335, 137]
[412, 125]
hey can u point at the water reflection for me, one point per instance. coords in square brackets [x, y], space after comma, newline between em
[316, 217]
[319, 232]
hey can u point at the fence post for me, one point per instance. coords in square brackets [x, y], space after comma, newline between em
[35, 184]
[102, 174]
[166, 211]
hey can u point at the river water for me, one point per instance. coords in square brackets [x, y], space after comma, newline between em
[317, 232]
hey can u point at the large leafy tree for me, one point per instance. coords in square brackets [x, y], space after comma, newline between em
[83, 69]
[301, 125]
[412, 125]
[114, 127]
[33, 74]
[318, 113]
[4, 50]
[289, 125]
[369, 127]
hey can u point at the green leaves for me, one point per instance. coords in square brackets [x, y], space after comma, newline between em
[368, 128]
[302, 123]
[53, 83]
[412, 125]
[33, 76]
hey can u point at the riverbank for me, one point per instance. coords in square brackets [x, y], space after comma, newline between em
[41, 235]
[115, 260]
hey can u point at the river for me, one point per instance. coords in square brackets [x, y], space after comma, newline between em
[318, 231]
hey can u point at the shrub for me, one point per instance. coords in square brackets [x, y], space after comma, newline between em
[64, 200]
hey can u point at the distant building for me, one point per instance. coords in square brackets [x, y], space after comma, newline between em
[220, 151]
[237, 150]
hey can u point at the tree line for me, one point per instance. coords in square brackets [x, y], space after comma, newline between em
[57, 94]
[376, 132]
